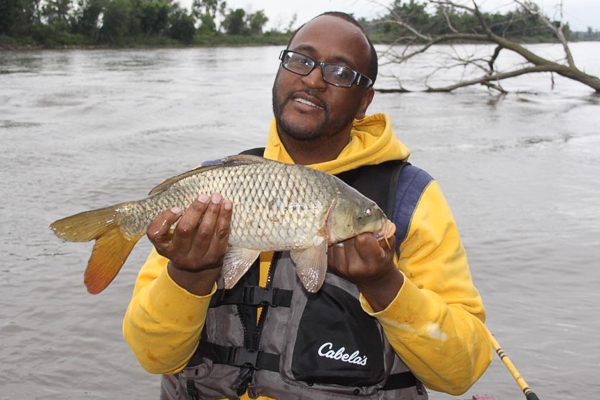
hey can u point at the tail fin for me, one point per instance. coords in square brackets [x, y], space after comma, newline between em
[111, 249]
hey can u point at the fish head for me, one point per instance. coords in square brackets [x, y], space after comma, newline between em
[352, 215]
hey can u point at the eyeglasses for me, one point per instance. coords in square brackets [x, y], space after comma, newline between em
[336, 75]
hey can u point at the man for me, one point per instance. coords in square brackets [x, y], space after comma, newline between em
[381, 326]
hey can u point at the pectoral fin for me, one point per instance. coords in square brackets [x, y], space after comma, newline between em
[311, 266]
[237, 261]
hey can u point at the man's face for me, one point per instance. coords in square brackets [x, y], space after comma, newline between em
[306, 107]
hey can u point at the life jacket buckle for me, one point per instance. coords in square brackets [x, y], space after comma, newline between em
[243, 357]
[258, 296]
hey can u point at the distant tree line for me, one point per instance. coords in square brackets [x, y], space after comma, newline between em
[124, 22]
[437, 18]
[54, 23]
[590, 34]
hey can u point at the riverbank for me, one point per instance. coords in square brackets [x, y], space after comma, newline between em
[215, 40]
[80, 42]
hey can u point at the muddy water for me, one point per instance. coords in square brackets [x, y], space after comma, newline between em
[84, 129]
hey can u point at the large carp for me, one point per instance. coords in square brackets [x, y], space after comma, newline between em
[276, 206]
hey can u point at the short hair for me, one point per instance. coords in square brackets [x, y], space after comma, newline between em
[373, 62]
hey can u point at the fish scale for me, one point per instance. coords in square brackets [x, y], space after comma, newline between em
[290, 198]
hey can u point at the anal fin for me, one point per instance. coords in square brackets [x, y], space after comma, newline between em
[311, 266]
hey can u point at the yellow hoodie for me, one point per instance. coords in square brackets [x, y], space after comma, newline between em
[435, 322]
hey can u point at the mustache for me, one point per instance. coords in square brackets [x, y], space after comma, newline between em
[310, 93]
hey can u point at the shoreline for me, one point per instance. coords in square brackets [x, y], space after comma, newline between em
[8, 43]
[140, 47]
[215, 44]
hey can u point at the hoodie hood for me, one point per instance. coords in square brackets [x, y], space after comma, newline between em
[372, 142]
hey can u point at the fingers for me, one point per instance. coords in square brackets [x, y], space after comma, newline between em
[369, 248]
[186, 231]
[363, 247]
[159, 229]
[218, 228]
[362, 257]
[200, 239]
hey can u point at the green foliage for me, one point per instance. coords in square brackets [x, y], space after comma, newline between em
[56, 10]
[17, 16]
[443, 20]
[207, 24]
[164, 22]
[10, 12]
[208, 7]
[54, 35]
[182, 26]
[116, 21]
[7, 42]
[51, 23]
[153, 17]
[87, 18]
[234, 22]
[237, 22]
[256, 22]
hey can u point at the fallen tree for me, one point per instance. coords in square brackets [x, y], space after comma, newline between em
[414, 41]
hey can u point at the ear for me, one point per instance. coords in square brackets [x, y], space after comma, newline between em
[365, 103]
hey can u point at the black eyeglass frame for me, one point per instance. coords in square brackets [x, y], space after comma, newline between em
[357, 80]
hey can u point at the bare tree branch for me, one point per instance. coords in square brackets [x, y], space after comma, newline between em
[400, 22]
[495, 86]
[448, 22]
[533, 62]
[485, 80]
[494, 58]
[438, 40]
[534, 9]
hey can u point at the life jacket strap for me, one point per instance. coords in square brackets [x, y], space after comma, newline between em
[258, 359]
[252, 296]
[402, 380]
[236, 356]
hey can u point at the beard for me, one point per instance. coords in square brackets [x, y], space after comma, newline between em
[326, 128]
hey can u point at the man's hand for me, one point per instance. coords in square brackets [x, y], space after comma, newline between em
[369, 263]
[198, 244]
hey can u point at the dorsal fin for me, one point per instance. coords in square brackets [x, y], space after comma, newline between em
[243, 159]
[225, 162]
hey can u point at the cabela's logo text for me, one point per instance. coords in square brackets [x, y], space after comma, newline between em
[326, 350]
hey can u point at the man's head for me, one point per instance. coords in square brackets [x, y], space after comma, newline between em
[373, 61]
[306, 107]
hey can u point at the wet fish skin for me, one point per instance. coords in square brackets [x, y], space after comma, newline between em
[277, 206]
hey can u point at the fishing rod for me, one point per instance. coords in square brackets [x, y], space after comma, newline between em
[529, 394]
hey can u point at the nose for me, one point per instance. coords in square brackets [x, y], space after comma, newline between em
[315, 80]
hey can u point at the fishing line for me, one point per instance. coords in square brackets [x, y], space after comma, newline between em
[529, 394]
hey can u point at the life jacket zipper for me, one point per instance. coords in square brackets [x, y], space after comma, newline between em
[265, 309]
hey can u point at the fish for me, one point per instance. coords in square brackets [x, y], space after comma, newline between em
[276, 207]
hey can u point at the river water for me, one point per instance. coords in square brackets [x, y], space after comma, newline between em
[85, 129]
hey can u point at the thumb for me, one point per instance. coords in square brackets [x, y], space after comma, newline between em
[368, 248]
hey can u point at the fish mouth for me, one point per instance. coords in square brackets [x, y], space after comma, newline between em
[387, 231]
[308, 100]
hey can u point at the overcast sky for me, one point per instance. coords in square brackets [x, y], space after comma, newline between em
[579, 13]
